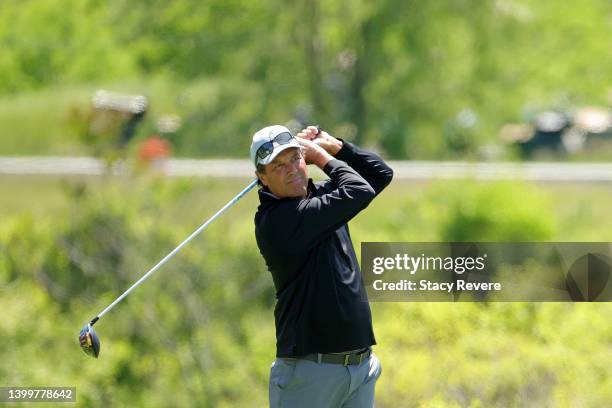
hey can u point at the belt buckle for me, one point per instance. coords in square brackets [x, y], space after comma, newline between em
[346, 359]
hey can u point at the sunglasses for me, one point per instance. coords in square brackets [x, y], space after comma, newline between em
[267, 148]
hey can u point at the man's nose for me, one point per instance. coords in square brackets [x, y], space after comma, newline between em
[292, 168]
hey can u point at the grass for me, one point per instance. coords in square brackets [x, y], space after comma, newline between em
[35, 123]
[43, 122]
[580, 210]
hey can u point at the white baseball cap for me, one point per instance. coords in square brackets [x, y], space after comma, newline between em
[269, 142]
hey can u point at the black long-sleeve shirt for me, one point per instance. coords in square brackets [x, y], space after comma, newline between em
[306, 244]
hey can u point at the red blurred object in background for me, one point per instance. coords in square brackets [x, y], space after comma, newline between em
[154, 148]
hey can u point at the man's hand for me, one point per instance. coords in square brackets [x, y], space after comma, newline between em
[323, 139]
[313, 153]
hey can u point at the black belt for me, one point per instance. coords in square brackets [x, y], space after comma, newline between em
[344, 359]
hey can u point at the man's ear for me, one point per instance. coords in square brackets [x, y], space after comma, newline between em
[261, 177]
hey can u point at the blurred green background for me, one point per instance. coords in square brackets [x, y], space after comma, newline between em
[413, 80]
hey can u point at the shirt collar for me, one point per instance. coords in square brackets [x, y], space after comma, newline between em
[266, 196]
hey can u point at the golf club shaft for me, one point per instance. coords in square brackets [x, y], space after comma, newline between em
[174, 251]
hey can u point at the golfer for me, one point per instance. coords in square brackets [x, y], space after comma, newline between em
[323, 320]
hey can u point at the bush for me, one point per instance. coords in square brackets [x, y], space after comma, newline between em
[490, 212]
[176, 335]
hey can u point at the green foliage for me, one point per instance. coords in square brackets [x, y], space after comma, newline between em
[81, 262]
[200, 332]
[500, 354]
[57, 41]
[418, 80]
[495, 212]
[460, 210]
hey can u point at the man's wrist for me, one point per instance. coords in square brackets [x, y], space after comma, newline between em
[335, 147]
[345, 154]
[322, 159]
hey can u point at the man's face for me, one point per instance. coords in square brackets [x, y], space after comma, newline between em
[286, 175]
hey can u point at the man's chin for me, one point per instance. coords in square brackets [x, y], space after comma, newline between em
[298, 191]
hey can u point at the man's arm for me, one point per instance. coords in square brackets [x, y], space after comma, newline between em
[369, 165]
[301, 223]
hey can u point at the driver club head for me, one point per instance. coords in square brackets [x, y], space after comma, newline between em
[89, 341]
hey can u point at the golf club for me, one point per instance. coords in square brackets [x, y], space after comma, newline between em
[88, 339]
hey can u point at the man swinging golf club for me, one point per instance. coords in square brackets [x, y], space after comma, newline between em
[323, 321]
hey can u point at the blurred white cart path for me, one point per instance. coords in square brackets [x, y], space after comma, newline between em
[405, 170]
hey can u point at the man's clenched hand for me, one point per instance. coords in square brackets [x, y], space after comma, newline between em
[313, 153]
[323, 139]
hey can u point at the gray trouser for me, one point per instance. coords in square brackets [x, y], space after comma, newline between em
[304, 383]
